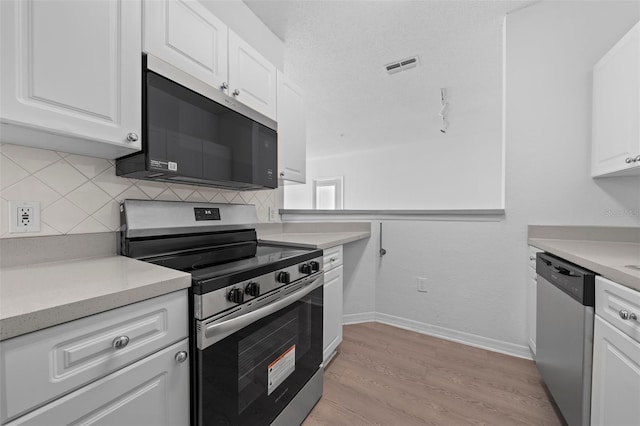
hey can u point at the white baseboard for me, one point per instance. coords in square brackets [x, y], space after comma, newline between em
[358, 318]
[487, 343]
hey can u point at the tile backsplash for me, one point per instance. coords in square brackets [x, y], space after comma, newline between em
[80, 195]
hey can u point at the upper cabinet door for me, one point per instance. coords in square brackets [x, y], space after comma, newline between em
[616, 109]
[292, 145]
[72, 69]
[252, 78]
[187, 35]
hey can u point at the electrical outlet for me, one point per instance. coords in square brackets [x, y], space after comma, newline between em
[272, 214]
[422, 284]
[24, 216]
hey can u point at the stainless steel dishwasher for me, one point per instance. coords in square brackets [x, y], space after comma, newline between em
[564, 334]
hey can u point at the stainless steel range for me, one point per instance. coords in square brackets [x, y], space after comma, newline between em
[256, 327]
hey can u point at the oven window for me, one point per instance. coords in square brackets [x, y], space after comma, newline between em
[250, 376]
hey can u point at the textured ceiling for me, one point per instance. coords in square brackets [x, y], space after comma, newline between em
[336, 50]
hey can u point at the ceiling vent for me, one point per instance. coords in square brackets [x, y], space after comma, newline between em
[402, 65]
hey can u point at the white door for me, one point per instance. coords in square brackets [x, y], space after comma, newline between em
[616, 108]
[292, 143]
[188, 36]
[73, 68]
[153, 391]
[252, 78]
[615, 395]
[332, 312]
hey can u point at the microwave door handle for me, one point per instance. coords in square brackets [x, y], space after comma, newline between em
[215, 332]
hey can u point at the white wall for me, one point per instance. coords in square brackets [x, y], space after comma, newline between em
[382, 132]
[477, 271]
[458, 171]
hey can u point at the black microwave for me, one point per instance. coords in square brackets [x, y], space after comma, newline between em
[193, 133]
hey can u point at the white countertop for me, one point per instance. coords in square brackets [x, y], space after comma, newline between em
[314, 240]
[33, 297]
[607, 258]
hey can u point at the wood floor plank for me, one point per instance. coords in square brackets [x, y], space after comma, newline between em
[384, 375]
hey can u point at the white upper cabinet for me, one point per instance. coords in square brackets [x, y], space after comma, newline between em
[616, 109]
[71, 75]
[187, 35]
[252, 79]
[292, 151]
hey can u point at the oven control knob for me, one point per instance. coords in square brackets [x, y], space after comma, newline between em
[252, 289]
[283, 277]
[236, 295]
[305, 268]
[315, 266]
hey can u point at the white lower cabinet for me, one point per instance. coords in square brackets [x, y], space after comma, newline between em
[332, 312]
[125, 366]
[615, 398]
[153, 391]
[615, 395]
[532, 292]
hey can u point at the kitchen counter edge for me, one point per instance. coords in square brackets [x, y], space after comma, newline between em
[119, 281]
[588, 260]
[312, 240]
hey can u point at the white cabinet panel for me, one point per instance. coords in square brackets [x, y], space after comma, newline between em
[187, 35]
[532, 294]
[292, 145]
[72, 69]
[153, 391]
[252, 78]
[332, 257]
[62, 358]
[615, 398]
[332, 313]
[619, 305]
[616, 109]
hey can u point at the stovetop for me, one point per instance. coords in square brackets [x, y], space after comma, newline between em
[216, 243]
[206, 278]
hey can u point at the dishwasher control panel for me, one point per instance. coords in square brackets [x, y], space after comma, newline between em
[577, 282]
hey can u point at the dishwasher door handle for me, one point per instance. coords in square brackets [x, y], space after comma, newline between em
[565, 271]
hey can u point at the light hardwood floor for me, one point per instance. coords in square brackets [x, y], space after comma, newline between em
[388, 376]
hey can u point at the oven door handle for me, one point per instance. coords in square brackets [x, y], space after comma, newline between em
[215, 332]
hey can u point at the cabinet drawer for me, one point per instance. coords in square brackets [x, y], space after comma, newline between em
[153, 391]
[532, 256]
[332, 257]
[613, 300]
[46, 364]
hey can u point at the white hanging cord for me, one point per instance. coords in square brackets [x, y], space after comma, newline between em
[444, 111]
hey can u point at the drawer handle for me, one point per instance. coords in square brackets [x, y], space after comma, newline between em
[532, 258]
[625, 315]
[333, 259]
[120, 342]
[181, 356]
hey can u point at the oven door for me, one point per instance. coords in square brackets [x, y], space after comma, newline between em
[250, 366]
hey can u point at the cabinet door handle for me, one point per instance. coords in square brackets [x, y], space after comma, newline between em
[629, 160]
[181, 356]
[236, 92]
[281, 174]
[120, 342]
[637, 159]
[224, 85]
[532, 258]
[625, 315]
[132, 137]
